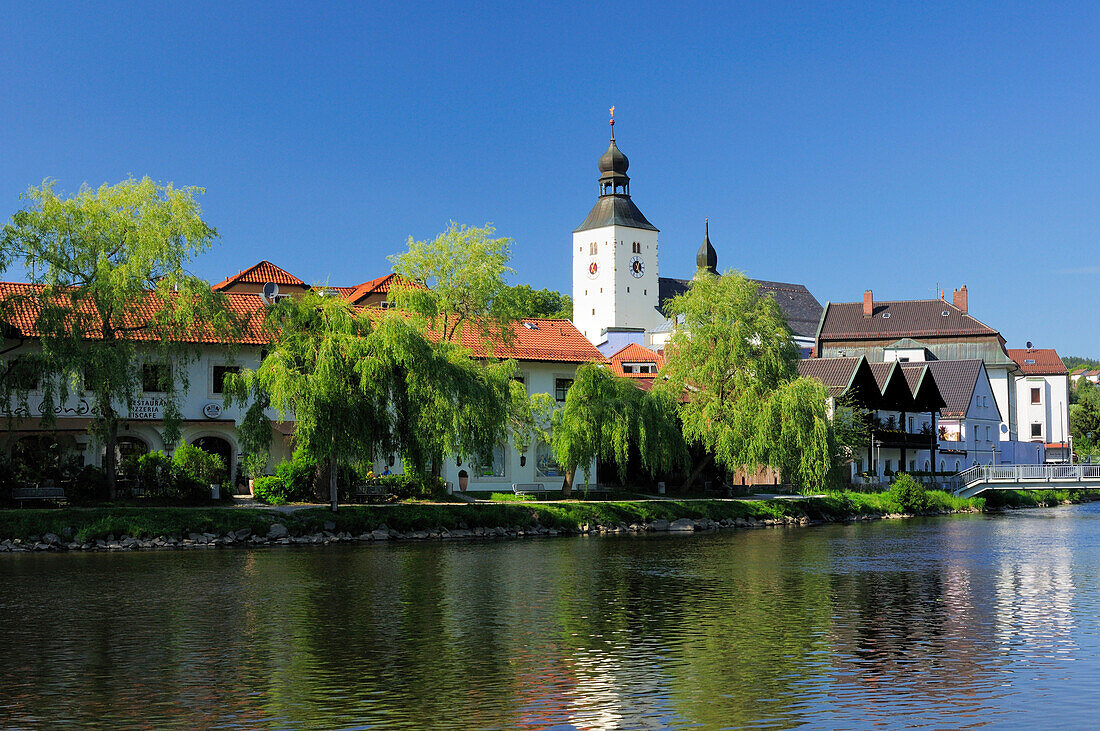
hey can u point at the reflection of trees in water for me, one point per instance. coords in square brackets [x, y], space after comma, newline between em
[609, 633]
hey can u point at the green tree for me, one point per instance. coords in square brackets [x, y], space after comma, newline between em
[463, 274]
[524, 301]
[606, 417]
[112, 296]
[1084, 418]
[733, 352]
[361, 382]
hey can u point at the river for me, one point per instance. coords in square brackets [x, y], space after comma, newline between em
[944, 622]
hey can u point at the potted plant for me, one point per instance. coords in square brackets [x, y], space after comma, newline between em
[463, 480]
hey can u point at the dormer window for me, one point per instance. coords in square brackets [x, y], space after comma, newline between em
[639, 367]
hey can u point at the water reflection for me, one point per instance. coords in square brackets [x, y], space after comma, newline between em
[948, 622]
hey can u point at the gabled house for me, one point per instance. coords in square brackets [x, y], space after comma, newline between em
[921, 330]
[969, 421]
[1042, 400]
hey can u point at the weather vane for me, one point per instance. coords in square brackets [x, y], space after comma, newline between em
[612, 110]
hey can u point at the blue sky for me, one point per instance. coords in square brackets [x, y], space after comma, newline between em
[843, 146]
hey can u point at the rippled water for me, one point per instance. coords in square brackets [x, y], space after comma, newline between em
[950, 622]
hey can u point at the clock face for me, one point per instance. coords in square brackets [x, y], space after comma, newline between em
[637, 267]
[593, 269]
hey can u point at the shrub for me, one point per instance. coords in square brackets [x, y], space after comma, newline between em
[415, 487]
[271, 490]
[197, 466]
[909, 494]
[154, 473]
[89, 485]
[297, 475]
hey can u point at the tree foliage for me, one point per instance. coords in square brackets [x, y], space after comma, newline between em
[363, 383]
[1084, 418]
[733, 351]
[606, 416]
[111, 293]
[463, 273]
[524, 301]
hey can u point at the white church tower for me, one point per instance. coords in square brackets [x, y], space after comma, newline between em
[615, 260]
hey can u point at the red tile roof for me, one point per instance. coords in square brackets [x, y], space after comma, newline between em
[634, 353]
[1038, 361]
[555, 341]
[378, 285]
[248, 307]
[261, 273]
[899, 319]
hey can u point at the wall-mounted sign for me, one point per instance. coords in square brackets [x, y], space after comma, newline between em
[147, 408]
[212, 410]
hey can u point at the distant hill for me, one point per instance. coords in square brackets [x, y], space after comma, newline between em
[1076, 361]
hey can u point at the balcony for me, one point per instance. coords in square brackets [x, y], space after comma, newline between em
[897, 438]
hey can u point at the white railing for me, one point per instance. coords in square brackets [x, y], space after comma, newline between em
[1030, 473]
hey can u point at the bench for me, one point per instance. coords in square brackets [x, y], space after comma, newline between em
[38, 492]
[372, 493]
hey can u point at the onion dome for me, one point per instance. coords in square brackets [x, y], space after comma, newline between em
[707, 258]
[613, 165]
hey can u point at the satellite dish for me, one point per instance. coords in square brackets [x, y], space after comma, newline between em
[1029, 345]
[270, 290]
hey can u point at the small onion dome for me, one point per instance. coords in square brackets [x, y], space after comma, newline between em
[707, 258]
[613, 161]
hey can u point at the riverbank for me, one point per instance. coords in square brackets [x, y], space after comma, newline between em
[129, 528]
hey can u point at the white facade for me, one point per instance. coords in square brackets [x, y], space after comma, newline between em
[533, 466]
[614, 280]
[201, 407]
[978, 434]
[1042, 403]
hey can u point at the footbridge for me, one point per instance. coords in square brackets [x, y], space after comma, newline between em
[980, 478]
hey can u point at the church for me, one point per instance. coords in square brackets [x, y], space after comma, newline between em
[619, 298]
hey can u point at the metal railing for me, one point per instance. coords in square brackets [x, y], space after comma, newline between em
[1030, 472]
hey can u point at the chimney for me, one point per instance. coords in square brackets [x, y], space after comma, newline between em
[958, 297]
[868, 304]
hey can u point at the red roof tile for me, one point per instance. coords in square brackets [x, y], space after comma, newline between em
[538, 339]
[248, 307]
[261, 273]
[904, 318]
[549, 340]
[634, 353]
[378, 285]
[1038, 361]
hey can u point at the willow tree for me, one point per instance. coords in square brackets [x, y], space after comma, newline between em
[110, 295]
[606, 417]
[361, 382]
[733, 353]
[462, 274]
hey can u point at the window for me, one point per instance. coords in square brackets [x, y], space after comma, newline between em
[561, 387]
[1036, 430]
[1036, 396]
[496, 468]
[989, 434]
[912, 465]
[637, 248]
[592, 248]
[903, 360]
[546, 465]
[22, 375]
[911, 425]
[639, 367]
[155, 377]
[220, 372]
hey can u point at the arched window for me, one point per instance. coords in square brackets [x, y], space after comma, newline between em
[220, 447]
[958, 466]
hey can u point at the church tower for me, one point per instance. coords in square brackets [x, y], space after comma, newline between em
[614, 258]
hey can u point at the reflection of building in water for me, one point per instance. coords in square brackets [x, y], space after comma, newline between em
[1034, 601]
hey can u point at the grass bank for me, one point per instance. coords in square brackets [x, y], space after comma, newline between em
[88, 524]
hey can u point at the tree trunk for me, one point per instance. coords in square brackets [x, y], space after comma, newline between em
[110, 456]
[567, 483]
[332, 494]
[699, 468]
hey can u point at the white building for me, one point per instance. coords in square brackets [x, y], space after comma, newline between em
[618, 296]
[1042, 400]
[548, 352]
